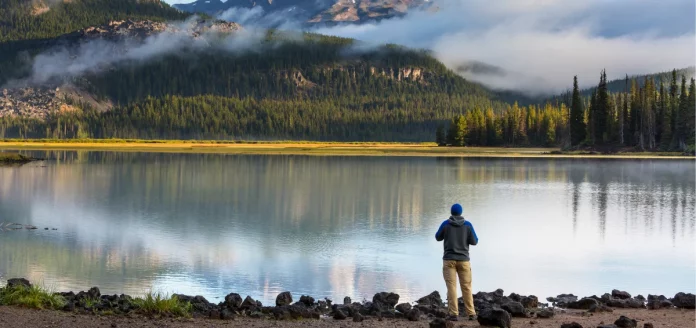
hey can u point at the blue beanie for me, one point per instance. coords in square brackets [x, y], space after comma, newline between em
[457, 210]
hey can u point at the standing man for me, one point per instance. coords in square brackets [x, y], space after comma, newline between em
[458, 234]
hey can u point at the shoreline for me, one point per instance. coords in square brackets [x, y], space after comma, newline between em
[318, 149]
[493, 309]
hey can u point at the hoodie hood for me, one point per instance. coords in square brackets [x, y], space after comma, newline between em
[457, 221]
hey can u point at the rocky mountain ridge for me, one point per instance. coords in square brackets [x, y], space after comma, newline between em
[313, 12]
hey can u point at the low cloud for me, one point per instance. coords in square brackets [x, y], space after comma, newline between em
[542, 44]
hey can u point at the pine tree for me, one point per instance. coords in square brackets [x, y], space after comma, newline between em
[577, 125]
[591, 119]
[440, 138]
[601, 117]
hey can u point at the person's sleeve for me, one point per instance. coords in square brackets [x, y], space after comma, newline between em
[440, 234]
[472, 238]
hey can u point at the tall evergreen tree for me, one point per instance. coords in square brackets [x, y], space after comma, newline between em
[577, 125]
[440, 137]
[601, 117]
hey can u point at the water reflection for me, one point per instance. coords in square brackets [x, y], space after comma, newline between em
[334, 226]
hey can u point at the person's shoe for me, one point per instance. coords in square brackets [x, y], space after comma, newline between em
[472, 317]
[452, 318]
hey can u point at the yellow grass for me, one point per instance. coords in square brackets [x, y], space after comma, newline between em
[308, 148]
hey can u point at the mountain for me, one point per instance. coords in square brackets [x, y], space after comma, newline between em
[309, 11]
[158, 78]
[41, 19]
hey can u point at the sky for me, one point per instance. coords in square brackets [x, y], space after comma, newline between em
[539, 44]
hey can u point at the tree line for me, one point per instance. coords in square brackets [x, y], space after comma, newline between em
[648, 115]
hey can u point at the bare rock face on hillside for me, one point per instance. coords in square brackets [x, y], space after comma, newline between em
[39, 102]
[141, 29]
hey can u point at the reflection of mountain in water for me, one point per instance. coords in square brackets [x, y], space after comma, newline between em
[215, 223]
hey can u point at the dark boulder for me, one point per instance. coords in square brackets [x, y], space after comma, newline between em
[515, 309]
[599, 308]
[654, 305]
[250, 304]
[546, 313]
[69, 307]
[403, 308]
[607, 326]
[571, 325]
[583, 304]
[648, 325]
[495, 317]
[215, 314]
[684, 301]
[339, 315]
[624, 322]
[307, 300]
[562, 300]
[620, 294]
[233, 300]
[227, 314]
[357, 317]
[347, 300]
[94, 292]
[530, 302]
[283, 299]
[413, 315]
[656, 297]
[640, 298]
[384, 302]
[515, 297]
[199, 305]
[17, 282]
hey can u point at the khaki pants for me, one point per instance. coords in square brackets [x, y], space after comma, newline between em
[450, 270]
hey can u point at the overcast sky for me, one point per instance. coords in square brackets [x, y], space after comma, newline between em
[544, 43]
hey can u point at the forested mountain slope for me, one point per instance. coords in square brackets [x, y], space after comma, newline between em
[124, 78]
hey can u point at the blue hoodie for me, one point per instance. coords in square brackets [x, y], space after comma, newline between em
[458, 234]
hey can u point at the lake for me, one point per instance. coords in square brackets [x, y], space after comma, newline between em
[211, 224]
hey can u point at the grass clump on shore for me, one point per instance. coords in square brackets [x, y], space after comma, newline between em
[162, 304]
[33, 297]
[10, 158]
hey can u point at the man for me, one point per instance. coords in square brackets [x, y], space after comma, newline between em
[458, 234]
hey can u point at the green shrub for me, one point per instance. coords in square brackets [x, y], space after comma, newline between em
[162, 304]
[33, 297]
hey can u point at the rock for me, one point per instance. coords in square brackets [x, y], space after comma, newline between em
[16, 282]
[607, 326]
[666, 304]
[648, 325]
[215, 314]
[515, 297]
[530, 302]
[433, 299]
[283, 299]
[227, 314]
[413, 315]
[624, 322]
[307, 300]
[583, 304]
[494, 317]
[684, 301]
[233, 300]
[347, 300]
[597, 308]
[94, 292]
[388, 299]
[640, 298]
[656, 297]
[654, 305]
[571, 325]
[403, 308]
[620, 294]
[562, 300]
[339, 315]
[515, 309]
[249, 304]
[546, 313]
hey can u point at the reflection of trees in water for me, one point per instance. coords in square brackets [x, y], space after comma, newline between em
[642, 189]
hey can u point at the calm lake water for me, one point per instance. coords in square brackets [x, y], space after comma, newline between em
[211, 224]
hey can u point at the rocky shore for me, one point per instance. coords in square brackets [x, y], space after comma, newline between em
[14, 158]
[494, 308]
